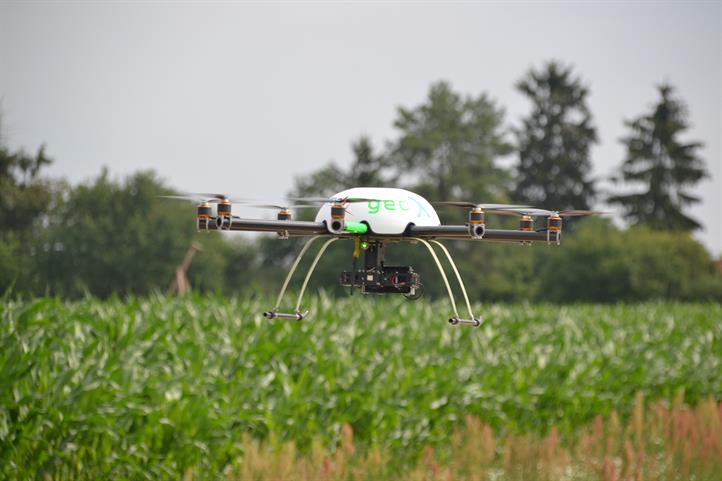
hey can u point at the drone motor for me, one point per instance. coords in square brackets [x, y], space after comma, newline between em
[476, 223]
[526, 223]
[204, 211]
[554, 222]
[224, 218]
[338, 214]
[284, 214]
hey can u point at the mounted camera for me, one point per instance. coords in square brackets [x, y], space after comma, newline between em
[378, 278]
[387, 280]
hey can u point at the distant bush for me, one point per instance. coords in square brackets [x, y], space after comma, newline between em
[108, 237]
[602, 263]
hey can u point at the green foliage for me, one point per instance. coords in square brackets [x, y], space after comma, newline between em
[600, 263]
[554, 160]
[108, 237]
[25, 200]
[449, 145]
[592, 267]
[145, 388]
[663, 165]
[25, 195]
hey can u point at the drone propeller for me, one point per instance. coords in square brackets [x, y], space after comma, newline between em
[535, 212]
[472, 205]
[280, 207]
[211, 198]
[183, 197]
[333, 200]
[223, 203]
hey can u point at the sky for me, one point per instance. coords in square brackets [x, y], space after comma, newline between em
[241, 98]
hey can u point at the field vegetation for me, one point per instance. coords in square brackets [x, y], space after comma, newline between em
[159, 388]
[663, 443]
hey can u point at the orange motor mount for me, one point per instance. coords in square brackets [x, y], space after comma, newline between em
[338, 214]
[526, 223]
[477, 227]
[204, 211]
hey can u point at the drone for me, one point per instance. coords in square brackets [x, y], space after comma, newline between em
[373, 217]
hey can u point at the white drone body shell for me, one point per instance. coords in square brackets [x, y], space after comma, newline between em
[390, 215]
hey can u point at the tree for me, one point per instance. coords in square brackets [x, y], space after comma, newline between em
[25, 195]
[25, 200]
[449, 145]
[663, 164]
[111, 237]
[554, 166]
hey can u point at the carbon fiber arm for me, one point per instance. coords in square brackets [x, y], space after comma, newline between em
[458, 232]
[461, 232]
[293, 227]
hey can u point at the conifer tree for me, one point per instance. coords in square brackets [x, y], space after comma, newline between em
[554, 164]
[666, 167]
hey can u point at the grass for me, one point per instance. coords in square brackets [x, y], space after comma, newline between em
[153, 388]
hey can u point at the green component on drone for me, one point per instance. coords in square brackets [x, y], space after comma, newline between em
[356, 228]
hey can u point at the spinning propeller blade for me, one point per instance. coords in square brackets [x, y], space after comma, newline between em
[182, 197]
[280, 207]
[471, 205]
[535, 212]
[332, 200]
[205, 197]
[213, 197]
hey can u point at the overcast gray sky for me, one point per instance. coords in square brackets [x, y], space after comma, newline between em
[242, 97]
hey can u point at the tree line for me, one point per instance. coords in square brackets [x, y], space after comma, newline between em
[111, 236]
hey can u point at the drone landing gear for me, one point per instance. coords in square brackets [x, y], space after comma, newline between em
[297, 315]
[456, 320]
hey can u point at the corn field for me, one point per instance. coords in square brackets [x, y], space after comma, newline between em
[368, 388]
